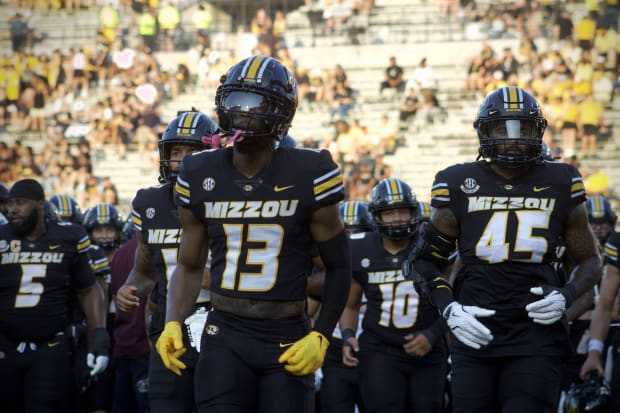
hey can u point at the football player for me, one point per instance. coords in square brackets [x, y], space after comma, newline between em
[158, 231]
[260, 211]
[603, 220]
[67, 208]
[508, 211]
[4, 198]
[401, 352]
[340, 389]
[103, 223]
[43, 266]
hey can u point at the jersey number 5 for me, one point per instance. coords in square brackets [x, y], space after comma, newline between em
[494, 246]
[30, 292]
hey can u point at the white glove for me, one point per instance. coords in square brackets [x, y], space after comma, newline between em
[463, 323]
[97, 364]
[195, 324]
[548, 309]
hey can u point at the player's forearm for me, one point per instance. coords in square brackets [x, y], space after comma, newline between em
[337, 259]
[586, 275]
[582, 304]
[349, 319]
[92, 303]
[183, 289]
[599, 325]
[144, 284]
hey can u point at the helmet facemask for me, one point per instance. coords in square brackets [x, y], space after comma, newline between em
[512, 142]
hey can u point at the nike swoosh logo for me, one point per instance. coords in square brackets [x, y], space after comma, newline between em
[286, 344]
[53, 247]
[53, 344]
[537, 189]
[282, 188]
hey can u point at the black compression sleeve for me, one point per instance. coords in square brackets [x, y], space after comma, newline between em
[337, 259]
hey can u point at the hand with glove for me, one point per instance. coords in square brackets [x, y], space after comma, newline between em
[306, 355]
[464, 325]
[170, 347]
[99, 351]
[551, 307]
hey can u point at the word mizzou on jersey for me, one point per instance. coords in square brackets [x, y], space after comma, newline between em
[393, 307]
[509, 232]
[155, 215]
[258, 228]
[40, 279]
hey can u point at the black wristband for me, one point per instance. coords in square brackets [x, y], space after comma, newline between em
[570, 294]
[100, 342]
[347, 333]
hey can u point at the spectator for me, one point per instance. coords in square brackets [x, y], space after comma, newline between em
[202, 20]
[424, 76]
[510, 65]
[168, 19]
[585, 31]
[357, 24]
[410, 106]
[337, 16]
[279, 28]
[590, 122]
[343, 101]
[19, 32]
[148, 29]
[393, 77]
[563, 26]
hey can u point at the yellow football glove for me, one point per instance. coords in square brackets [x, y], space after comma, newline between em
[306, 355]
[170, 347]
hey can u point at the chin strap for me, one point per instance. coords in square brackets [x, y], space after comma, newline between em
[215, 141]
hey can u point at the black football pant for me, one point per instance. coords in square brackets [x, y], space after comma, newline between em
[505, 384]
[238, 369]
[340, 387]
[394, 382]
[167, 391]
[36, 378]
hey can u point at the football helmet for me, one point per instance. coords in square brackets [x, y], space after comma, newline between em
[257, 98]
[591, 396]
[68, 208]
[600, 210]
[4, 192]
[510, 126]
[356, 216]
[392, 193]
[424, 211]
[50, 212]
[188, 128]
[128, 230]
[545, 153]
[103, 214]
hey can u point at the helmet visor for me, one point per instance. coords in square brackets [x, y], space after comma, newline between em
[248, 112]
[511, 129]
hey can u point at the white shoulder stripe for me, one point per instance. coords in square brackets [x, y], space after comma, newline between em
[181, 182]
[327, 176]
[331, 191]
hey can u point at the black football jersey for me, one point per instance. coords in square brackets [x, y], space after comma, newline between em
[393, 307]
[509, 232]
[155, 215]
[99, 263]
[40, 279]
[258, 228]
[611, 250]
